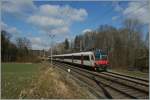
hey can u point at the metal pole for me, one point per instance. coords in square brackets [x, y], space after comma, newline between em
[51, 54]
[51, 36]
[80, 45]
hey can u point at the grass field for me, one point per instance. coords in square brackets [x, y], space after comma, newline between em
[36, 81]
[15, 77]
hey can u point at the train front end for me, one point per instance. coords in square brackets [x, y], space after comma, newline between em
[101, 60]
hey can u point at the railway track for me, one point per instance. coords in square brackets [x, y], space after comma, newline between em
[136, 78]
[111, 85]
[92, 86]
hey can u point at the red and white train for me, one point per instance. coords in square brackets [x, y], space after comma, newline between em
[97, 60]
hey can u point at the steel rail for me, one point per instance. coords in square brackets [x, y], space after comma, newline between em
[82, 80]
[127, 79]
[100, 83]
[93, 73]
[136, 78]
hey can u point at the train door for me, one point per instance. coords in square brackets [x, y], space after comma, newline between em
[92, 60]
[87, 60]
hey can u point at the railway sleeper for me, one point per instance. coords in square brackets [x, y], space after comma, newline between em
[119, 90]
[118, 87]
[137, 93]
[127, 79]
[95, 88]
[131, 77]
[116, 94]
[124, 83]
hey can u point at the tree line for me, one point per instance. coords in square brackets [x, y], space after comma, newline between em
[126, 47]
[20, 51]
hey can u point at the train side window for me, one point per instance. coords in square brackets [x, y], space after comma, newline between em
[86, 58]
[69, 57]
[61, 57]
[66, 57]
[77, 57]
[92, 58]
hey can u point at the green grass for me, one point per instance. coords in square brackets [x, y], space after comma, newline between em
[15, 77]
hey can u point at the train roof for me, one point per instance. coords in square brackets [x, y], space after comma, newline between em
[70, 54]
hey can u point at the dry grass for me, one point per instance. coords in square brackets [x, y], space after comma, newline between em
[52, 83]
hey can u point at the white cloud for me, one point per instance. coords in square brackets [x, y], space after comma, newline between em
[63, 12]
[56, 19]
[86, 30]
[12, 30]
[44, 21]
[49, 10]
[39, 43]
[73, 14]
[61, 30]
[3, 25]
[114, 18]
[117, 6]
[138, 10]
[36, 40]
[134, 10]
[18, 6]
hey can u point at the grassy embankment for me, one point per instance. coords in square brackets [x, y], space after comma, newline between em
[39, 81]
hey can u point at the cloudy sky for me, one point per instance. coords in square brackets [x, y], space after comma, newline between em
[36, 20]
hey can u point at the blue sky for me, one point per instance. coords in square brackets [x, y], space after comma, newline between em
[37, 19]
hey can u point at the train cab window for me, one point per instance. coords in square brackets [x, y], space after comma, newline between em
[104, 57]
[97, 56]
[100, 55]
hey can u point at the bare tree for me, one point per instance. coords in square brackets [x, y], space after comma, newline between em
[134, 38]
[23, 45]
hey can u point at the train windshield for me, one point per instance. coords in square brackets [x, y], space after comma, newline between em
[100, 55]
[104, 57]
